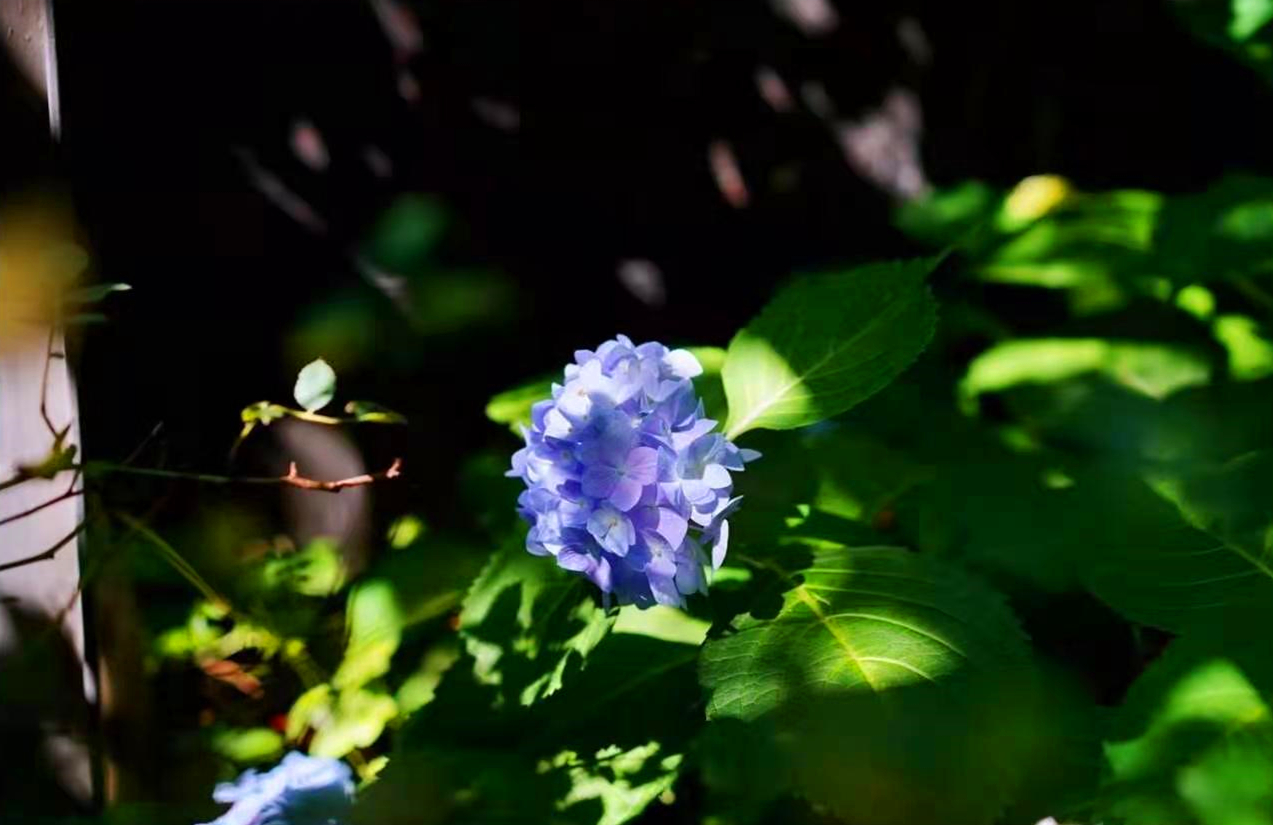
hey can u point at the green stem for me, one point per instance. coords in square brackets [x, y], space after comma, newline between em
[178, 562]
[106, 467]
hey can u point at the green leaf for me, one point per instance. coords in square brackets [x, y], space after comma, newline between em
[999, 517]
[623, 784]
[1225, 232]
[317, 569]
[310, 710]
[1152, 369]
[315, 385]
[375, 624]
[825, 343]
[633, 689]
[1250, 353]
[248, 746]
[512, 407]
[527, 623]
[1249, 16]
[356, 720]
[1193, 741]
[1148, 561]
[263, 412]
[871, 651]
[945, 217]
[370, 413]
[421, 686]
[708, 385]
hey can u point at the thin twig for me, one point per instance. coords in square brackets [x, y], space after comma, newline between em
[37, 508]
[44, 382]
[47, 554]
[292, 479]
[295, 479]
[133, 456]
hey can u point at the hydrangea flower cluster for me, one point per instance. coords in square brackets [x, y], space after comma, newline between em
[300, 790]
[626, 483]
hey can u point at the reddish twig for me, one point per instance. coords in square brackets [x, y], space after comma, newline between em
[295, 479]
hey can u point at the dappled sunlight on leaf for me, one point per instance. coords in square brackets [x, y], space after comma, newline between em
[528, 624]
[1193, 739]
[825, 343]
[872, 646]
[1154, 370]
[1250, 353]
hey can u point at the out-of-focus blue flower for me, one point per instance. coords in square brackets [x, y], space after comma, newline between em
[625, 481]
[301, 790]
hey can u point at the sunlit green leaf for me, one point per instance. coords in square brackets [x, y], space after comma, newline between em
[369, 413]
[660, 622]
[624, 783]
[317, 569]
[357, 719]
[405, 530]
[1250, 353]
[263, 412]
[949, 216]
[249, 746]
[870, 650]
[1249, 16]
[311, 710]
[512, 407]
[527, 622]
[315, 385]
[825, 343]
[375, 624]
[1154, 370]
[418, 689]
[1193, 741]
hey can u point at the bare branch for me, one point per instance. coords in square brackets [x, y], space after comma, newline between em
[47, 554]
[292, 479]
[37, 508]
[296, 480]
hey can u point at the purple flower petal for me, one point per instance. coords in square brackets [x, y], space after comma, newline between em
[599, 481]
[717, 477]
[720, 545]
[642, 465]
[627, 481]
[612, 530]
[625, 494]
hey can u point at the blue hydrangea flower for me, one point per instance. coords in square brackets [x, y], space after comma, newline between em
[626, 483]
[300, 790]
